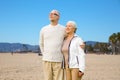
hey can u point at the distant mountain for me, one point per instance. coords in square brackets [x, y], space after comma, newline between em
[91, 43]
[18, 47]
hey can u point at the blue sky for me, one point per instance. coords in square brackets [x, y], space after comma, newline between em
[21, 20]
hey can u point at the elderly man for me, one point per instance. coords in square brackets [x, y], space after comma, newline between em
[51, 39]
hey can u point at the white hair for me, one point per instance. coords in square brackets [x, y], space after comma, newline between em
[73, 22]
[55, 11]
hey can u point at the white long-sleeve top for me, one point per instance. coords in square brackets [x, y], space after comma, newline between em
[76, 54]
[51, 39]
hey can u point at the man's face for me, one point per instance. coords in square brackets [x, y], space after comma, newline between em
[53, 16]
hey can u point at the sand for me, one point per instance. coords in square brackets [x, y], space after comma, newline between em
[29, 67]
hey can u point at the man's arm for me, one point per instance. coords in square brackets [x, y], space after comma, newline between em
[41, 41]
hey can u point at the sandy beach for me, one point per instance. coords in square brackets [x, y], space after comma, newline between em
[29, 67]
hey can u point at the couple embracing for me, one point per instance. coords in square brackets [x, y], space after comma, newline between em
[63, 50]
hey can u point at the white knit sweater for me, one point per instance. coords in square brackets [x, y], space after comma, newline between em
[51, 39]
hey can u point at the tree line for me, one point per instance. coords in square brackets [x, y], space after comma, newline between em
[110, 47]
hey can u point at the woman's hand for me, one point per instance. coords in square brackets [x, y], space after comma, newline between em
[80, 74]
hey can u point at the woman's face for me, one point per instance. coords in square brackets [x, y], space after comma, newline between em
[69, 28]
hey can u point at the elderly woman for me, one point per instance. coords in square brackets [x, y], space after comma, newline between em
[73, 52]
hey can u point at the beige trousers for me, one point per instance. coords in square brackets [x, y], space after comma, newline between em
[72, 74]
[52, 70]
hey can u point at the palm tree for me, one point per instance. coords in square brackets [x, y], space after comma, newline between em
[118, 43]
[114, 39]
